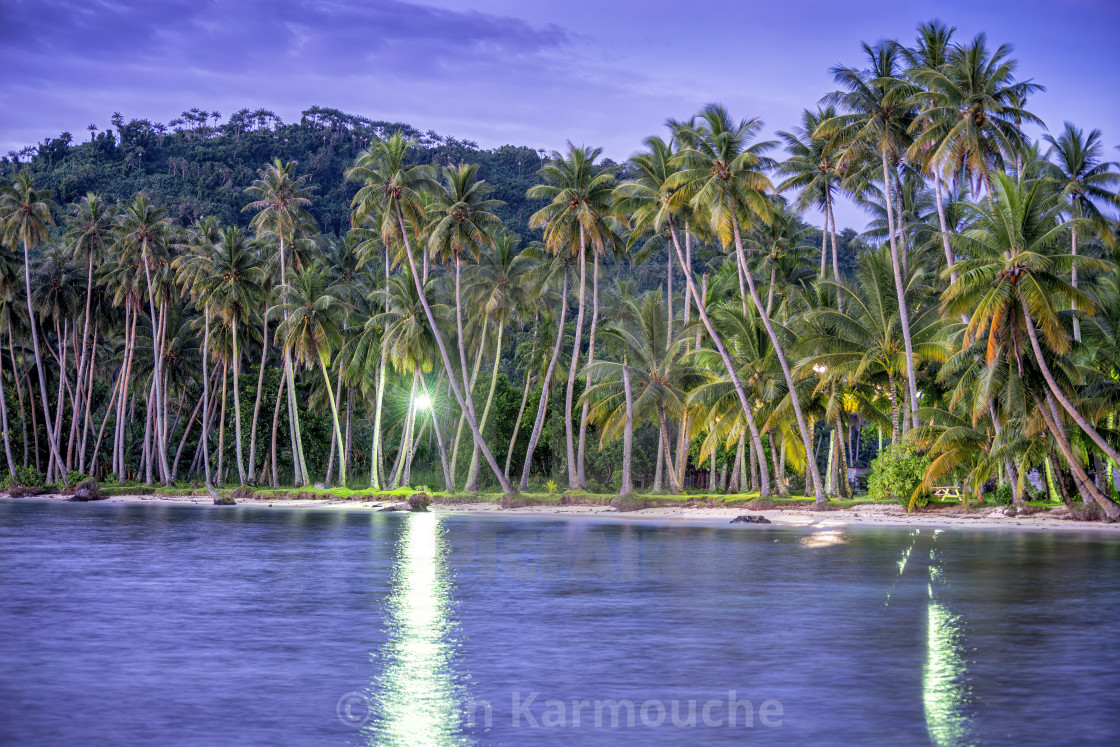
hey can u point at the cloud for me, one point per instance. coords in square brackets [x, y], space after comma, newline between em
[218, 36]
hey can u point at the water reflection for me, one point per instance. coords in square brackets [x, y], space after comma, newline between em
[416, 698]
[945, 692]
[824, 538]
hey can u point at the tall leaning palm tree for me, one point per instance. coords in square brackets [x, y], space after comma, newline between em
[1012, 284]
[722, 172]
[393, 191]
[1085, 179]
[461, 220]
[280, 209]
[654, 203]
[312, 330]
[579, 203]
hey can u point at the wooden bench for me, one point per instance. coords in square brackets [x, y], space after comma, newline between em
[947, 492]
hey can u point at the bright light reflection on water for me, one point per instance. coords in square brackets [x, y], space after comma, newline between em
[415, 700]
[945, 694]
[825, 538]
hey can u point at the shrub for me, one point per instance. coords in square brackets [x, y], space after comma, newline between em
[896, 473]
[552, 487]
[1004, 494]
[29, 477]
[74, 477]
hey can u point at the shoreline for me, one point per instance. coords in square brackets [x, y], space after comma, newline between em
[871, 514]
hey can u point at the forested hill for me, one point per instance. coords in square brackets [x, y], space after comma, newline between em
[197, 165]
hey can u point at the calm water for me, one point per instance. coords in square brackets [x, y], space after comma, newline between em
[136, 624]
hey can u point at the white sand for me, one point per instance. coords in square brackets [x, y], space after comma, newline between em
[864, 515]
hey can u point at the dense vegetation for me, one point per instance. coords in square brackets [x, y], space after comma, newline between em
[380, 306]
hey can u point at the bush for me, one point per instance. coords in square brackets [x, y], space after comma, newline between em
[74, 477]
[1004, 494]
[29, 477]
[896, 473]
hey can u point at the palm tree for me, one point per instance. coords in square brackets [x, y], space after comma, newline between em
[461, 219]
[721, 171]
[861, 342]
[543, 279]
[312, 330]
[498, 288]
[233, 289]
[392, 190]
[410, 348]
[931, 55]
[974, 115]
[25, 211]
[89, 229]
[280, 209]
[648, 382]
[579, 196]
[813, 170]
[1085, 180]
[145, 231]
[1011, 284]
[878, 106]
[656, 204]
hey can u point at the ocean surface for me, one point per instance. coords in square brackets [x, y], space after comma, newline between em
[181, 625]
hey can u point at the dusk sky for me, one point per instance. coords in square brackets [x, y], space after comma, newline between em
[508, 71]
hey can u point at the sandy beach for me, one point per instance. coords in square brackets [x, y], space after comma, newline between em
[887, 515]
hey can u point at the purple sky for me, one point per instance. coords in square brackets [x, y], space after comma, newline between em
[507, 71]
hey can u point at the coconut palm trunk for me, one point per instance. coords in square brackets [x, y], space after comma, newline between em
[301, 476]
[253, 472]
[546, 383]
[19, 391]
[52, 436]
[237, 406]
[900, 291]
[944, 223]
[627, 436]
[506, 486]
[470, 390]
[222, 424]
[581, 471]
[517, 423]
[1085, 485]
[674, 484]
[473, 473]
[569, 437]
[4, 423]
[183, 440]
[280, 390]
[337, 426]
[1059, 395]
[160, 452]
[335, 445]
[375, 448]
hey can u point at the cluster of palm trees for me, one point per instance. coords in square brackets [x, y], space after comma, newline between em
[980, 323]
